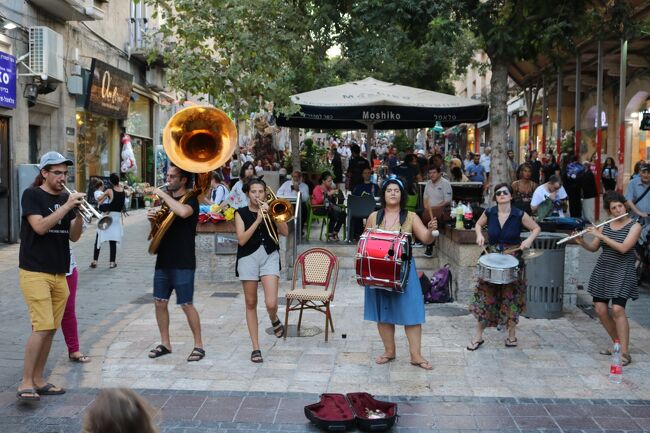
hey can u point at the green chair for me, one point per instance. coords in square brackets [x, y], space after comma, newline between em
[412, 202]
[311, 217]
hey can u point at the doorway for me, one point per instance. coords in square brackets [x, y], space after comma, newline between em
[5, 181]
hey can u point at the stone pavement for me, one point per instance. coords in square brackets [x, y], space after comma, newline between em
[554, 381]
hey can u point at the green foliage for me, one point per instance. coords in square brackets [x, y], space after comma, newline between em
[402, 143]
[313, 159]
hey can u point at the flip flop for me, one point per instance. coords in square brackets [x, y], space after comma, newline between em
[278, 327]
[606, 352]
[473, 345]
[511, 343]
[256, 356]
[22, 395]
[159, 351]
[196, 355]
[82, 359]
[423, 365]
[47, 390]
[383, 359]
[625, 359]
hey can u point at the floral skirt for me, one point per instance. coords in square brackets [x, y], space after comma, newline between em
[498, 304]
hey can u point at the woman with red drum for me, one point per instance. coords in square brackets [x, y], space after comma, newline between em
[389, 308]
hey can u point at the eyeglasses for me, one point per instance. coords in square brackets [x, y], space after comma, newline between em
[58, 172]
[502, 192]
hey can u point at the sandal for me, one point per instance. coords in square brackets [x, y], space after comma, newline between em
[112, 265]
[473, 345]
[81, 358]
[93, 264]
[48, 389]
[27, 394]
[159, 351]
[511, 343]
[626, 359]
[383, 359]
[196, 355]
[606, 352]
[423, 365]
[256, 356]
[278, 328]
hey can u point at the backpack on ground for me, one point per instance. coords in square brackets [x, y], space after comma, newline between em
[440, 289]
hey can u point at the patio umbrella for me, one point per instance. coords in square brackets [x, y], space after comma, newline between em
[380, 105]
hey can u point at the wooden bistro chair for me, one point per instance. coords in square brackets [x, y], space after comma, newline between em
[318, 270]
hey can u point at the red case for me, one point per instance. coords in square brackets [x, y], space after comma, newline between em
[336, 412]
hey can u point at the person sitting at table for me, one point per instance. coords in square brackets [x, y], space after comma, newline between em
[365, 188]
[290, 189]
[323, 202]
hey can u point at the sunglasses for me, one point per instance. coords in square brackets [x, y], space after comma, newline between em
[502, 192]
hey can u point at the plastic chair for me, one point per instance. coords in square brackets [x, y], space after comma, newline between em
[311, 217]
[318, 269]
[359, 207]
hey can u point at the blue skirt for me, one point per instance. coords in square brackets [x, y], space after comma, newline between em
[405, 308]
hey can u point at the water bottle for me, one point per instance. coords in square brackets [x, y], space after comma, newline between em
[616, 369]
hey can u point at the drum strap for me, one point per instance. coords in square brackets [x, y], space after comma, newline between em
[403, 213]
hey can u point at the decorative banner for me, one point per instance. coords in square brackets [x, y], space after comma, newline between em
[109, 90]
[7, 80]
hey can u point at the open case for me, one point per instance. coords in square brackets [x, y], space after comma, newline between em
[338, 412]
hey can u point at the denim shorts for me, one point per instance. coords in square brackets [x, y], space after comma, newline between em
[167, 280]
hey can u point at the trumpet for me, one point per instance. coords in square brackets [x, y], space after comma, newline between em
[88, 212]
[280, 211]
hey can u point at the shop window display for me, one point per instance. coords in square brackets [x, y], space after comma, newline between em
[93, 138]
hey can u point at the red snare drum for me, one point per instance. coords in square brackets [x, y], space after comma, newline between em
[383, 259]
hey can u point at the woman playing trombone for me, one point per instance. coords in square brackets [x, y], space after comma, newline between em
[258, 259]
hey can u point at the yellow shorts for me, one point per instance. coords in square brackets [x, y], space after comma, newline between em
[46, 296]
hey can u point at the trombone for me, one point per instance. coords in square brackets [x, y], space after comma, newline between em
[280, 211]
[88, 212]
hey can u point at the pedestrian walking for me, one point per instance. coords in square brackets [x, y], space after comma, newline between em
[389, 308]
[114, 233]
[614, 276]
[119, 410]
[609, 175]
[69, 321]
[50, 221]
[258, 259]
[499, 305]
[176, 262]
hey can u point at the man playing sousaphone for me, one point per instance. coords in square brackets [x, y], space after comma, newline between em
[176, 261]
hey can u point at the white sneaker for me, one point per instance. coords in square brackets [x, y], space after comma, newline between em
[418, 244]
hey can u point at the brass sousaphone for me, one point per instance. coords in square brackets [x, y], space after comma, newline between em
[197, 140]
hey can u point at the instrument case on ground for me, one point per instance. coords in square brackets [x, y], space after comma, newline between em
[338, 412]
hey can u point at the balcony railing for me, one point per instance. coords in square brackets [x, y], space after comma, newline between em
[70, 10]
[144, 40]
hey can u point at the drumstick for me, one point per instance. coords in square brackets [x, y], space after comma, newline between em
[511, 250]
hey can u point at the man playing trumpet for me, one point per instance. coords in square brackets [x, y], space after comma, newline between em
[176, 262]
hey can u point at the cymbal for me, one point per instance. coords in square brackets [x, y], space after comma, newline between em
[531, 254]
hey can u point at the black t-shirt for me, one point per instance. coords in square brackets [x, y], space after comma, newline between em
[176, 249]
[356, 166]
[49, 253]
[407, 174]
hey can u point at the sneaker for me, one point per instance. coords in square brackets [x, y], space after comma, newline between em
[418, 244]
[429, 251]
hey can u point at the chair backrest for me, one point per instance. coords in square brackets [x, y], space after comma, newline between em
[412, 202]
[361, 206]
[318, 267]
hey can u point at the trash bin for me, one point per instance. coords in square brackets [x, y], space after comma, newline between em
[545, 277]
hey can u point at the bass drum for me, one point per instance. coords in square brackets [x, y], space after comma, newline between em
[383, 260]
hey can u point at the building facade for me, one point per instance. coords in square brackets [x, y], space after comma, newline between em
[83, 87]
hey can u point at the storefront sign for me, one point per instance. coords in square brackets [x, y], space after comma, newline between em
[109, 90]
[7, 80]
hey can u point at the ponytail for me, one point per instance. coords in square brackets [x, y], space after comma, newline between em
[38, 180]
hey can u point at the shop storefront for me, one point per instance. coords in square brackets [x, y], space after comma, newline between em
[139, 127]
[98, 122]
[7, 102]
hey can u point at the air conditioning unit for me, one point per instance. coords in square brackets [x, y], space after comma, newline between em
[155, 79]
[46, 52]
